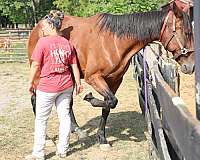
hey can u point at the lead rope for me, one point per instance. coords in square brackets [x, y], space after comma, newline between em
[145, 81]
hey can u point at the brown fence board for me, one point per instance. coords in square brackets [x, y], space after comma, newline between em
[183, 127]
[158, 148]
[156, 121]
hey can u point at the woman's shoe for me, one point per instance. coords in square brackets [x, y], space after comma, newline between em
[33, 157]
[61, 155]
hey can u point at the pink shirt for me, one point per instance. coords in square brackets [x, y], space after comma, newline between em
[55, 54]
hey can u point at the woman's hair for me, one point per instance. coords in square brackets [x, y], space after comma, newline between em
[55, 17]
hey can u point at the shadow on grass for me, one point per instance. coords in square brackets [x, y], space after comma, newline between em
[123, 126]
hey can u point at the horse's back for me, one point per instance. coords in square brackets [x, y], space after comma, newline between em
[35, 34]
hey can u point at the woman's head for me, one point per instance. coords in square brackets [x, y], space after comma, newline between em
[52, 22]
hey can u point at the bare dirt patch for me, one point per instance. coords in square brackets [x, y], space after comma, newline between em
[187, 92]
[126, 128]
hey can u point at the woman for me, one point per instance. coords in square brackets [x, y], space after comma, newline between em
[53, 59]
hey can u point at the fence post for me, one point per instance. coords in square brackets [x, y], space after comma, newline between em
[197, 54]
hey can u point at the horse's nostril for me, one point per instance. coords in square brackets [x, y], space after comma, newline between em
[184, 68]
[187, 69]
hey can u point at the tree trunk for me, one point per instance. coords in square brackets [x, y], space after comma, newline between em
[35, 10]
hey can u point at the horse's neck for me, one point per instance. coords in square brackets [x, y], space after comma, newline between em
[136, 47]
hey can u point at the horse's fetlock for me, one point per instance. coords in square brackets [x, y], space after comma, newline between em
[101, 137]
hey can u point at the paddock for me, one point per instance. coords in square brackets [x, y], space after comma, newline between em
[127, 130]
[129, 139]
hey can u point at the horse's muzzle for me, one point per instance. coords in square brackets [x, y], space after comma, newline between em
[187, 68]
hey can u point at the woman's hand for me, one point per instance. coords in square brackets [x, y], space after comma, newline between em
[78, 89]
[34, 75]
[31, 87]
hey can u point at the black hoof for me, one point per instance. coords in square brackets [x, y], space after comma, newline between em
[88, 97]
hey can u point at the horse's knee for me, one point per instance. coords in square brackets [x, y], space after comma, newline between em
[112, 103]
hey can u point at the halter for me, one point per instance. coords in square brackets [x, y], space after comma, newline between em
[183, 50]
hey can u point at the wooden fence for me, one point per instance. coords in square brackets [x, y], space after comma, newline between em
[174, 132]
[13, 45]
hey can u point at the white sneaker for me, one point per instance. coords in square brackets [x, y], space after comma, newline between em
[33, 157]
[61, 155]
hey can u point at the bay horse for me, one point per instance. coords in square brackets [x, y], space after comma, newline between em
[184, 5]
[105, 44]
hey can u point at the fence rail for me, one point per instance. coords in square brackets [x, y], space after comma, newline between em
[175, 134]
[13, 57]
[13, 45]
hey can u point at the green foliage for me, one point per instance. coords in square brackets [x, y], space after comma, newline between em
[21, 11]
[29, 11]
[91, 7]
[14, 9]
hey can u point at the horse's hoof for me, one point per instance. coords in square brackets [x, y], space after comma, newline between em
[105, 147]
[81, 134]
[88, 97]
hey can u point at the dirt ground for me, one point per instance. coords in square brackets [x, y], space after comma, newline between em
[187, 91]
[126, 128]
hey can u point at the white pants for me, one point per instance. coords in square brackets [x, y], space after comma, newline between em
[44, 103]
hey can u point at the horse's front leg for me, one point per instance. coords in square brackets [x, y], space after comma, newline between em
[104, 145]
[99, 84]
[110, 101]
[101, 131]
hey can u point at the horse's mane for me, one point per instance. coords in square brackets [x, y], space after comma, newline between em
[187, 25]
[141, 26]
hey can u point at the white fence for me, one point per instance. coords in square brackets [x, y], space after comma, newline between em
[13, 45]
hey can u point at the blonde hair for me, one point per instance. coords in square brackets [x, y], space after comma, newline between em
[55, 17]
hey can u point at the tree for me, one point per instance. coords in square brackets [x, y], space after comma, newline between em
[14, 10]
[25, 11]
[91, 7]
[30, 11]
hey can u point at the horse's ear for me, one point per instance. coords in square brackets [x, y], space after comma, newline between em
[176, 10]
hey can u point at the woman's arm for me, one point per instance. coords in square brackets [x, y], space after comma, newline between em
[76, 73]
[35, 70]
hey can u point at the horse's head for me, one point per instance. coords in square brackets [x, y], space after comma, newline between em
[177, 37]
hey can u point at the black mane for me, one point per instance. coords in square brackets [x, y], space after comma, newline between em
[136, 25]
[141, 26]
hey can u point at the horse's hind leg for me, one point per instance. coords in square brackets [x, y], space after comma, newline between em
[74, 126]
[99, 84]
